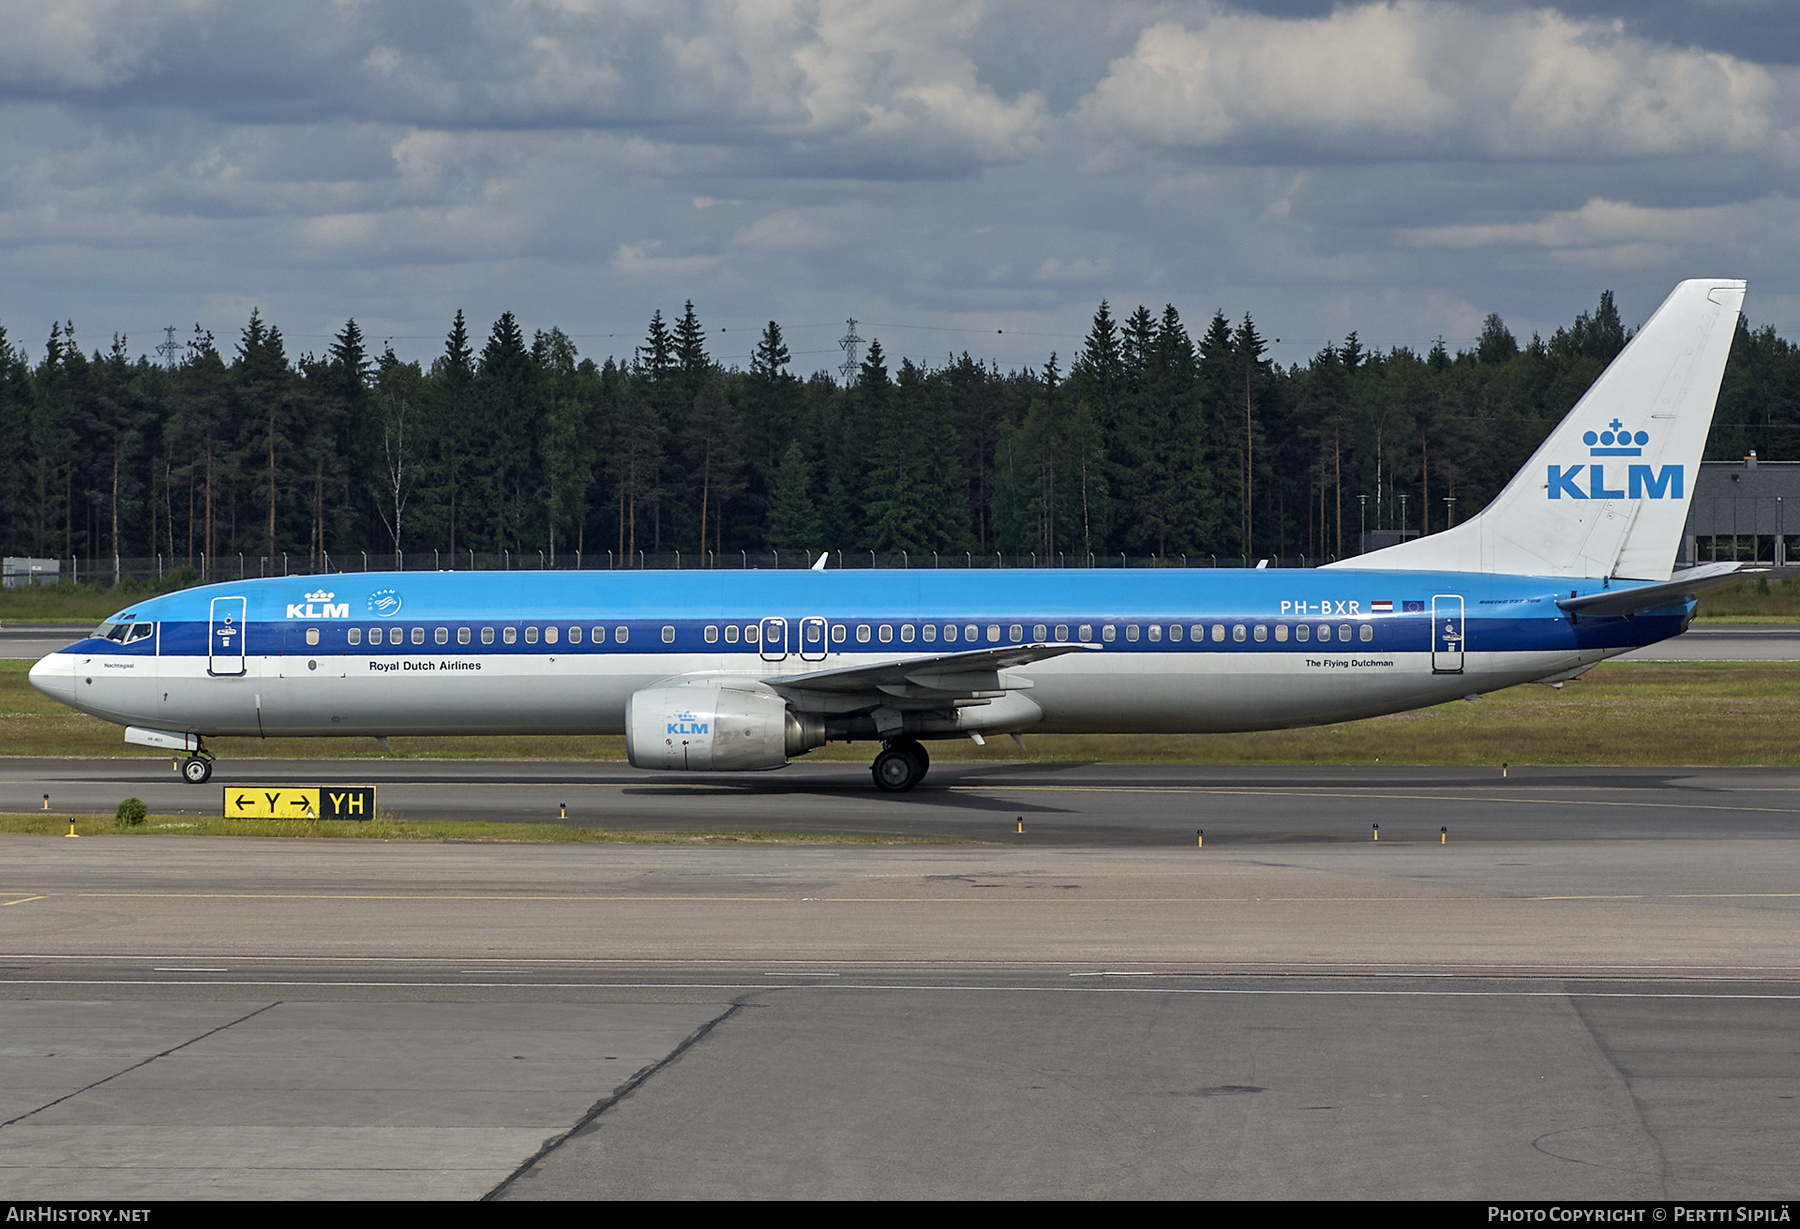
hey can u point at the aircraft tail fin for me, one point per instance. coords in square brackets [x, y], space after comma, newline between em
[1607, 493]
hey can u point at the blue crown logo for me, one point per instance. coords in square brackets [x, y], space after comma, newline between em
[1615, 441]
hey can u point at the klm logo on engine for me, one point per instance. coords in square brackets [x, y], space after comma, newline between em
[686, 723]
[1641, 481]
[319, 606]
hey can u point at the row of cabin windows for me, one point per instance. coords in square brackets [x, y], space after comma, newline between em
[465, 635]
[884, 633]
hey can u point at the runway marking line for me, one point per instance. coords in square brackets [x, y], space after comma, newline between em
[1324, 792]
[23, 900]
[936, 900]
[1297, 992]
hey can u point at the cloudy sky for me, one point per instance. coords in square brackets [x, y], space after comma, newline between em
[956, 174]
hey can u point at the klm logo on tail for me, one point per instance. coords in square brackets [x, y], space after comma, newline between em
[1641, 481]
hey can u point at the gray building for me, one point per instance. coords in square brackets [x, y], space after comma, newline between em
[1742, 510]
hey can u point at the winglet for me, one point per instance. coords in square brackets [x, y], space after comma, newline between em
[819, 564]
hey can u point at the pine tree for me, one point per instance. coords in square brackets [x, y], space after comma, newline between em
[793, 523]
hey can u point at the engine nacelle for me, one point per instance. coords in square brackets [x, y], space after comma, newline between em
[708, 726]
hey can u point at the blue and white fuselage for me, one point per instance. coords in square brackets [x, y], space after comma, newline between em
[743, 669]
[1155, 651]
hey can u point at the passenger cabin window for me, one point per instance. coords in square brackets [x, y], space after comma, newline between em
[993, 633]
[1155, 630]
[597, 635]
[929, 632]
[1109, 633]
[862, 633]
[441, 635]
[1281, 632]
[1062, 633]
[971, 633]
[1261, 633]
[886, 635]
[355, 635]
[1085, 632]
[1218, 633]
[906, 633]
[1302, 632]
[1131, 632]
[1039, 632]
[487, 635]
[752, 633]
[731, 633]
[621, 634]
[837, 633]
[949, 633]
[668, 633]
[418, 635]
[531, 635]
[1015, 633]
[550, 635]
[312, 635]
[1365, 633]
[574, 635]
[711, 633]
[1344, 632]
[1237, 632]
[510, 635]
[462, 635]
[1175, 631]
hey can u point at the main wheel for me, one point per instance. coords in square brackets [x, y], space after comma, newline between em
[196, 771]
[898, 768]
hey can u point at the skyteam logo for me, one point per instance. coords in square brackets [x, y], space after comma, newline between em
[686, 723]
[1641, 481]
[384, 603]
[319, 606]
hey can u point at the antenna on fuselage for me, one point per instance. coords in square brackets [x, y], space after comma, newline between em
[819, 565]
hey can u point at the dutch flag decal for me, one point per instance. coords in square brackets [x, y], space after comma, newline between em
[1382, 607]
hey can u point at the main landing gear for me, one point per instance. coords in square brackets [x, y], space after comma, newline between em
[197, 768]
[901, 765]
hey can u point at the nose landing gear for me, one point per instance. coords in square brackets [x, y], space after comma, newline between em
[901, 765]
[197, 768]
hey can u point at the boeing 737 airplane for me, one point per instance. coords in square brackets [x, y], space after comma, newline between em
[1571, 563]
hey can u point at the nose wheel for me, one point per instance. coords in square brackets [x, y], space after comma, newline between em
[196, 770]
[900, 766]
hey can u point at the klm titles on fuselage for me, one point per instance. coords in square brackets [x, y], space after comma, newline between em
[319, 606]
[1641, 481]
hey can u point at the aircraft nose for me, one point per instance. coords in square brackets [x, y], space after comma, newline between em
[54, 675]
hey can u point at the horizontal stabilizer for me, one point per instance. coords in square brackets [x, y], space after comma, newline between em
[1684, 586]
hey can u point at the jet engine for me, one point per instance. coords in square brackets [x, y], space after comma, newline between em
[710, 725]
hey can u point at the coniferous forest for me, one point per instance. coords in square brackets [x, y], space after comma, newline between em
[1152, 444]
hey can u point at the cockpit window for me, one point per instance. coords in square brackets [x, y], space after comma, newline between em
[124, 633]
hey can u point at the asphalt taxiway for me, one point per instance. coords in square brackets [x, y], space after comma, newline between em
[1589, 990]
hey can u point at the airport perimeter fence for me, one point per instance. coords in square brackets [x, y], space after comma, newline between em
[162, 569]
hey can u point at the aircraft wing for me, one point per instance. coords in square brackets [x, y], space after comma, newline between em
[1681, 587]
[974, 673]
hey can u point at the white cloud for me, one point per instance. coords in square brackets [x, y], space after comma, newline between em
[785, 229]
[1409, 78]
[638, 260]
[1602, 223]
